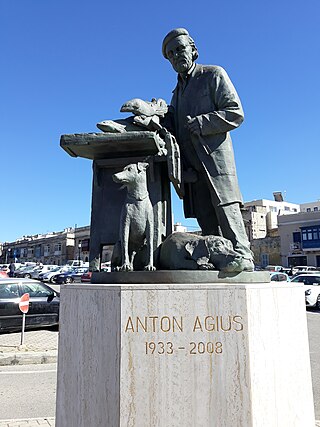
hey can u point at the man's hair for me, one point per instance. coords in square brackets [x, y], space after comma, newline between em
[176, 33]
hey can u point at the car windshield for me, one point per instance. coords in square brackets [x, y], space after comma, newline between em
[307, 280]
[24, 267]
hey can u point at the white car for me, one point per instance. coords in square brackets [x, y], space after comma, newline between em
[304, 269]
[279, 277]
[50, 275]
[41, 270]
[272, 268]
[312, 288]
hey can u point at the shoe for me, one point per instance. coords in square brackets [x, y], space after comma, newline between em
[238, 265]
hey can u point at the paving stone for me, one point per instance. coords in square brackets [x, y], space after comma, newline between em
[40, 340]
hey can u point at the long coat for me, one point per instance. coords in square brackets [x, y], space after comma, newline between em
[209, 96]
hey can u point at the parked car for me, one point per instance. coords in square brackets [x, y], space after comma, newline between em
[26, 272]
[43, 308]
[287, 270]
[298, 269]
[51, 275]
[106, 266]
[43, 269]
[273, 268]
[4, 267]
[279, 277]
[86, 277]
[312, 290]
[70, 276]
[77, 263]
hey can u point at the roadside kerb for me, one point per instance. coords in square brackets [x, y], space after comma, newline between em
[28, 358]
[41, 346]
[29, 422]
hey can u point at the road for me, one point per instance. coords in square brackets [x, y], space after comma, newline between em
[28, 391]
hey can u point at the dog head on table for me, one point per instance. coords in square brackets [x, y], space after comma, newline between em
[133, 176]
[214, 249]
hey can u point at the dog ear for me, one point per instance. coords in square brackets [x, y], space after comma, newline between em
[142, 166]
[190, 247]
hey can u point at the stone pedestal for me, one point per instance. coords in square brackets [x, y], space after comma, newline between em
[172, 355]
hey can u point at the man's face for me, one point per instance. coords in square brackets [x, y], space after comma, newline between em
[180, 54]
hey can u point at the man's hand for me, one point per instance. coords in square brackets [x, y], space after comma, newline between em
[193, 125]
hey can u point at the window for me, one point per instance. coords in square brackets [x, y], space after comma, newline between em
[304, 235]
[24, 252]
[9, 291]
[57, 247]
[316, 209]
[307, 280]
[273, 208]
[308, 209]
[296, 237]
[294, 210]
[35, 290]
[30, 252]
[309, 234]
[286, 208]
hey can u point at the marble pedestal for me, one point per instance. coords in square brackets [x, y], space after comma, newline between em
[173, 355]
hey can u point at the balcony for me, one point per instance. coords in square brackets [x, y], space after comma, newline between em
[311, 245]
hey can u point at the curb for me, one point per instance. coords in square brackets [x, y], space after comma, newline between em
[29, 422]
[28, 358]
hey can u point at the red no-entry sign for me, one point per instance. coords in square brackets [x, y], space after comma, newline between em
[24, 303]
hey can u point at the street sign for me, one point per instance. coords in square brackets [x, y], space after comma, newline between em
[24, 303]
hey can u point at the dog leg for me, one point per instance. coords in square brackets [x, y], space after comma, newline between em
[126, 264]
[149, 238]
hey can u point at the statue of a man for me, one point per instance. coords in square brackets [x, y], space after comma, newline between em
[205, 107]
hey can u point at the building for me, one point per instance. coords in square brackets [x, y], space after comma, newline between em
[261, 216]
[82, 243]
[266, 251]
[56, 247]
[254, 218]
[261, 222]
[50, 248]
[310, 207]
[300, 238]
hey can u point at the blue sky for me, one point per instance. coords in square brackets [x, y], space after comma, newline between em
[67, 64]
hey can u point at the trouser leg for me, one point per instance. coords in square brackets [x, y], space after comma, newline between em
[204, 210]
[232, 228]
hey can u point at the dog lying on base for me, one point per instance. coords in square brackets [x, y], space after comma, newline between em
[188, 251]
[135, 247]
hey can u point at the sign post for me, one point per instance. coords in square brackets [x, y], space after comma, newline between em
[24, 308]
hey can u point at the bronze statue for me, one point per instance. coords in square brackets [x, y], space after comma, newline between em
[205, 107]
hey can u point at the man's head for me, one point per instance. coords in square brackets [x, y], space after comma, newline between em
[179, 48]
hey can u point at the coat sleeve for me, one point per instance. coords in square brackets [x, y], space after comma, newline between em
[228, 113]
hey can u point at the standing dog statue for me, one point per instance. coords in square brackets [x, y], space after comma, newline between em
[135, 247]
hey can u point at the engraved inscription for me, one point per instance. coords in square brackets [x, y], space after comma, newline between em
[154, 324]
[194, 348]
[220, 325]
